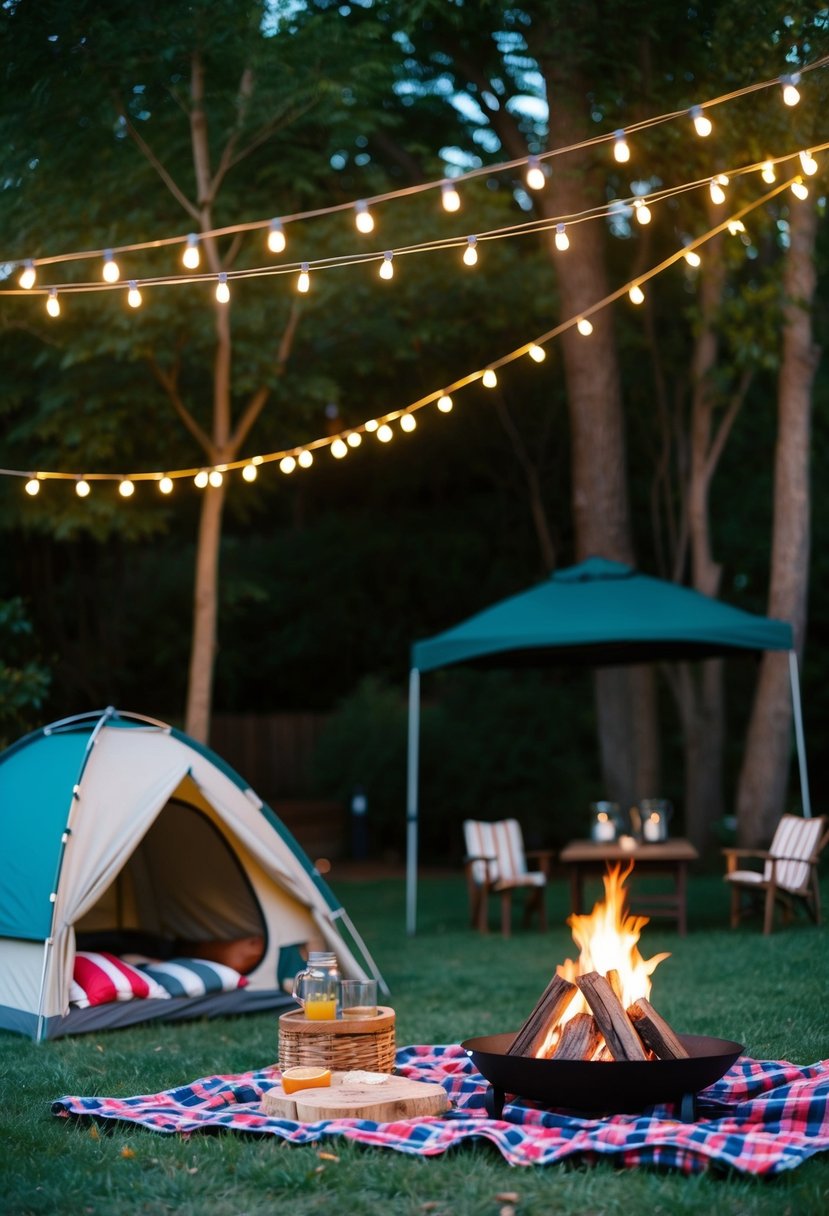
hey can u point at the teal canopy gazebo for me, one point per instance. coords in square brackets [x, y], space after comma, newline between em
[600, 613]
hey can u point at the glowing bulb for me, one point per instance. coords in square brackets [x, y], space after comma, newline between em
[304, 280]
[489, 379]
[470, 254]
[445, 403]
[363, 218]
[27, 276]
[584, 327]
[636, 294]
[249, 472]
[692, 257]
[354, 439]
[111, 273]
[642, 212]
[32, 486]
[716, 191]
[791, 96]
[305, 459]
[53, 303]
[276, 237]
[166, 485]
[767, 172]
[535, 174]
[537, 353]
[449, 197]
[807, 161]
[384, 433]
[736, 226]
[82, 487]
[287, 464]
[215, 478]
[621, 149]
[126, 487]
[372, 425]
[191, 256]
[408, 422]
[222, 290]
[200, 480]
[800, 189]
[134, 295]
[562, 239]
[339, 449]
[386, 266]
[702, 125]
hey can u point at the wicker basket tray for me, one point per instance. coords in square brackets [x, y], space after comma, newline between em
[344, 1045]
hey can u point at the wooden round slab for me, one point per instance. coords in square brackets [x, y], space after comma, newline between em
[384, 1101]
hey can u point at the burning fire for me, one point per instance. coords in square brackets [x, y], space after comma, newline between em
[607, 939]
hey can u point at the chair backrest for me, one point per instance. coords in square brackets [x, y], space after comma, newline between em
[795, 838]
[502, 841]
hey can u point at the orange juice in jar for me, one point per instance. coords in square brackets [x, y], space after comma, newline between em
[317, 988]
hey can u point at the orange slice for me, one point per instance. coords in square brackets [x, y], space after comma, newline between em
[305, 1078]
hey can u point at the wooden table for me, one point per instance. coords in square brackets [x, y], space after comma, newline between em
[670, 857]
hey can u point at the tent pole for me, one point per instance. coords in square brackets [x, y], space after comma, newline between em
[411, 801]
[794, 680]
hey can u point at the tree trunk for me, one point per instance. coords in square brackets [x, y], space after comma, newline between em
[205, 615]
[765, 769]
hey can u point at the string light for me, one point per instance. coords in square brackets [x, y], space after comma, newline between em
[32, 486]
[28, 275]
[470, 254]
[215, 478]
[702, 124]
[584, 327]
[249, 472]
[82, 487]
[535, 174]
[489, 379]
[111, 273]
[371, 425]
[692, 257]
[408, 422]
[767, 172]
[636, 294]
[642, 211]
[735, 227]
[166, 485]
[808, 163]
[222, 290]
[126, 488]
[354, 439]
[287, 464]
[387, 266]
[537, 353]
[303, 279]
[800, 189]
[791, 96]
[53, 303]
[561, 238]
[715, 189]
[384, 433]
[363, 218]
[200, 480]
[134, 295]
[449, 197]
[445, 403]
[191, 256]
[339, 449]
[621, 149]
[276, 237]
[305, 459]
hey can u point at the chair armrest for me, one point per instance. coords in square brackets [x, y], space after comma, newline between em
[476, 857]
[733, 855]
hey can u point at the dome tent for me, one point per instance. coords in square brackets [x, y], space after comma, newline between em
[114, 821]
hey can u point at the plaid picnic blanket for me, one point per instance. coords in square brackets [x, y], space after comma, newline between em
[762, 1117]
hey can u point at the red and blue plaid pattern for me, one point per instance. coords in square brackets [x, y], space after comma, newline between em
[762, 1117]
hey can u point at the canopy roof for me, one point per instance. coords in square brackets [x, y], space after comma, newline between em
[601, 612]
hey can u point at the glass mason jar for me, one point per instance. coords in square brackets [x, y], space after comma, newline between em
[317, 987]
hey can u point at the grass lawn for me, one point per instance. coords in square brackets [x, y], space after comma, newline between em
[447, 984]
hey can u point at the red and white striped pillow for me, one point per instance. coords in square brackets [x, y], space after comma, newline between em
[99, 978]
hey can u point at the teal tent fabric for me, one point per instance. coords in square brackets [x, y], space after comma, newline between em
[601, 612]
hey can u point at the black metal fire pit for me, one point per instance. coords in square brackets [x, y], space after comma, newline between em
[613, 1087]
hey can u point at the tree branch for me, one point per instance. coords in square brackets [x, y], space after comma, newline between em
[151, 158]
[257, 402]
[728, 420]
[169, 383]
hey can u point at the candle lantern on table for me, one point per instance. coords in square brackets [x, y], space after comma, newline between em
[655, 815]
[604, 822]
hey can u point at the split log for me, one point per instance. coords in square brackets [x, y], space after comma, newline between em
[655, 1032]
[548, 1009]
[611, 1018]
[580, 1037]
[615, 981]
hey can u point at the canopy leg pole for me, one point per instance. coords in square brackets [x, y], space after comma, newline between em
[411, 801]
[794, 680]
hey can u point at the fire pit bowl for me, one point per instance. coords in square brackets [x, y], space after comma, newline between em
[612, 1087]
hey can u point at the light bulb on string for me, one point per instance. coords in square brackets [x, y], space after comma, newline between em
[735, 227]
[249, 472]
[276, 236]
[305, 459]
[384, 433]
[215, 478]
[126, 488]
[561, 238]
[303, 282]
[800, 189]
[371, 425]
[537, 353]
[702, 124]
[636, 294]
[584, 327]
[222, 290]
[53, 303]
[191, 256]
[449, 197]
[692, 257]
[387, 266]
[27, 276]
[200, 480]
[642, 211]
[621, 148]
[165, 485]
[716, 189]
[489, 379]
[32, 486]
[470, 254]
[445, 403]
[791, 95]
[767, 172]
[363, 218]
[134, 295]
[808, 163]
[535, 174]
[287, 464]
[82, 487]
[111, 272]
[408, 422]
[339, 449]
[354, 439]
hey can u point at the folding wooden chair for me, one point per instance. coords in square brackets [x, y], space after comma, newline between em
[496, 864]
[789, 873]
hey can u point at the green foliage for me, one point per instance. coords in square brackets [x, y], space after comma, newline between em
[24, 679]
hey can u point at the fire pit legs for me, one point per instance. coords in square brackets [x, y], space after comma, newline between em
[688, 1108]
[494, 1100]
